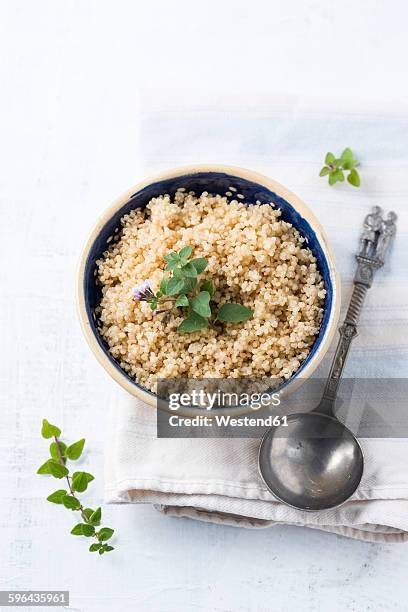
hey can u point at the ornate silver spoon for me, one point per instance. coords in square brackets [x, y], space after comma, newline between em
[316, 462]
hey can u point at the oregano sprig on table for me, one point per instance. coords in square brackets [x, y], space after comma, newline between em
[76, 483]
[181, 292]
[335, 168]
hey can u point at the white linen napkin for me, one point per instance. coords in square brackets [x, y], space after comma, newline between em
[215, 479]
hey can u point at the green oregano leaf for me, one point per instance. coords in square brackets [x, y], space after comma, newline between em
[171, 265]
[234, 313]
[74, 451]
[200, 264]
[181, 301]
[193, 323]
[329, 158]
[95, 517]
[95, 547]
[173, 256]
[88, 530]
[332, 178]
[188, 285]
[49, 431]
[174, 285]
[57, 470]
[185, 252]
[56, 497]
[347, 154]
[189, 270]
[163, 285]
[201, 304]
[71, 502]
[54, 468]
[54, 450]
[354, 178]
[80, 481]
[105, 533]
[208, 286]
[83, 529]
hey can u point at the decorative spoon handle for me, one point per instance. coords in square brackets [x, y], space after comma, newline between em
[376, 237]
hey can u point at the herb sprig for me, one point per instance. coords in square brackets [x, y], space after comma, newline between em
[335, 168]
[181, 291]
[76, 483]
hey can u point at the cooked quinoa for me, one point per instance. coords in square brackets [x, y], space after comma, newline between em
[254, 259]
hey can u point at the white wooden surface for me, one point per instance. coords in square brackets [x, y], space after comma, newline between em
[70, 75]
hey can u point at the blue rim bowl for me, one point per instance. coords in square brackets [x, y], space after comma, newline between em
[214, 179]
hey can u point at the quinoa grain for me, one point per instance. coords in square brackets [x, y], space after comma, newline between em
[254, 258]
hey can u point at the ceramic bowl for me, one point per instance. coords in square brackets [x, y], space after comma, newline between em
[214, 179]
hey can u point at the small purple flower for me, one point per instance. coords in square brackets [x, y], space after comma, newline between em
[143, 292]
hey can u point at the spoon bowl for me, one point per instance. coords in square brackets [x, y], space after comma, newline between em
[313, 463]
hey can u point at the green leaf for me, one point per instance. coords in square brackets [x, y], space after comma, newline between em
[173, 256]
[83, 529]
[171, 265]
[74, 451]
[188, 285]
[105, 533]
[201, 304]
[185, 252]
[340, 175]
[208, 286]
[153, 304]
[181, 301]
[234, 313]
[329, 159]
[108, 548]
[44, 468]
[177, 273]
[54, 468]
[48, 430]
[200, 264]
[71, 502]
[348, 164]
[95, 547]
[354, 178]
[58, 470]
[56, 497]
[101, 550]
[325, 170]
[332, 178]
[54, 450]
[163, 285]
[174, 286]
[193, 323]
[88, 530]
[189, 270]
[95, 517]
[347, 154]
[80, 481]
[88, 512]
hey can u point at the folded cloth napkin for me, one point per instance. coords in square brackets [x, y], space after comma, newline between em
[217, 479]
